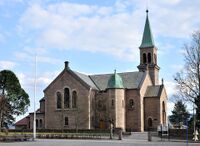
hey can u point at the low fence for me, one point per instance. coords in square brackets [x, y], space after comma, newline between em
[19, 135]
[171, 135]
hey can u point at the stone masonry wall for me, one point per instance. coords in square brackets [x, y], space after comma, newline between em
[77, 116]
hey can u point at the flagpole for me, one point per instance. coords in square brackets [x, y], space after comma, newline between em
[34, 116]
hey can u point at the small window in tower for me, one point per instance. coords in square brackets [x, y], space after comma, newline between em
[112, 103]
[144, 58]
[123, 103]
[131, 104]
[149, 57]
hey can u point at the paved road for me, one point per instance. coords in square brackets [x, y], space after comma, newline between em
[125, 142]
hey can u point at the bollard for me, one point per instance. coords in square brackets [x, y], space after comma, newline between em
[120, 134]
[149, 136]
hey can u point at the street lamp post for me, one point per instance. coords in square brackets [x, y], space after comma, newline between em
[34, 115]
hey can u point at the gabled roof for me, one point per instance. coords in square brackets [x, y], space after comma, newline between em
[23, 121]
[86, 79]
[154, 91]
[131, 80]
[147, 39]
[42, 99]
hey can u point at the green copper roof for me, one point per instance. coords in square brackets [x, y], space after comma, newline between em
[147, 40]
[115, 81]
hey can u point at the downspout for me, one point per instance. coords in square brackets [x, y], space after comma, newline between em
[89, 109]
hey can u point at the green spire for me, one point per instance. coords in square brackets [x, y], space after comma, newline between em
[147, 40]
[115, 81]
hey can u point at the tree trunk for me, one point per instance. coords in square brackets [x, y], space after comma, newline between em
[0, 119]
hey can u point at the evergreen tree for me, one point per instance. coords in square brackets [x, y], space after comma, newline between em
[13, 99]
[179, 114]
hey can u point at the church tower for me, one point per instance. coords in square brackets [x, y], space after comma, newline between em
[148, 54]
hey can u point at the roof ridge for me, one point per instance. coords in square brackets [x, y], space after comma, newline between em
[112, 73]
[93, 82]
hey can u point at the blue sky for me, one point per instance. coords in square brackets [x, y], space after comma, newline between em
[95, 36]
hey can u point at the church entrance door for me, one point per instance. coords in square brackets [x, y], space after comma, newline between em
[101, 124]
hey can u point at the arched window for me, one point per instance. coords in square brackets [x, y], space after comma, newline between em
[150, 122]
[163, 113]
[100, 104]
[149, 57]
[59, 100]
[74, 99]
[37, 124]
[40, 123]
[155, 58]
[66, 98]
[144, 58]
[112, 103]
[131, 104]
[66, 121]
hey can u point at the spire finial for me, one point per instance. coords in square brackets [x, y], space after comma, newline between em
[147, 9]
[162, 81]
[115, 71]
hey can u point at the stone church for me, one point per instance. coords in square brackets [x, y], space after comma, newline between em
[132, 101]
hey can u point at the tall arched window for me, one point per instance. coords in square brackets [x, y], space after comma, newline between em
[144, 58]
[59, 100]
[149, 57]
[37, 124]
[74, 99]
[40, 123]
[66, 121]
[150, 122]
[66, 98]
[163, 113]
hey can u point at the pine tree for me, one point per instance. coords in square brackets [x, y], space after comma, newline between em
[179, 114]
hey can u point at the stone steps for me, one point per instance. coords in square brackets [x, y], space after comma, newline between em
[138, 136]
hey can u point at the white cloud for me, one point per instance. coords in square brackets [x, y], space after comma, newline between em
[114, 30]
[28, 55]
[42, 81]
[7, 65]
[170, 88]
[170, 107]
[83, 27]
[177, 67]
[171, 2]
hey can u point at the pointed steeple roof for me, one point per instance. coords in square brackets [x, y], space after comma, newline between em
[147, 39]
[115, 81]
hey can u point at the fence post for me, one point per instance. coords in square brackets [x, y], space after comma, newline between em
[161, 131]
[187, 132]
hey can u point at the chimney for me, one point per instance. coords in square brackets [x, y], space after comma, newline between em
[67, 65]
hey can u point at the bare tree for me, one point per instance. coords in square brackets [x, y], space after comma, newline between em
[188, 79]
